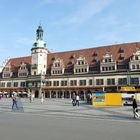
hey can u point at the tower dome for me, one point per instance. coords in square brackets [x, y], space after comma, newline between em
[39, 33]
[39, 38]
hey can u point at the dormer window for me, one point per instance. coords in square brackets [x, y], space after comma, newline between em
[72, 56]
[121, 57]
[23, 71]
[107, 60]
[80, 62]
[94, 60]
[136, 58]
[121, 50]
[95, 53]
[57, 67]
[7, 71]
[108, 64]
[81, 66]
[134, 63]
[57, 64]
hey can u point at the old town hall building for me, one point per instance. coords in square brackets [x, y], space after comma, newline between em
[61, 74]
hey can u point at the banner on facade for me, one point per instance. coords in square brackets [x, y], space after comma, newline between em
[99, 97]
[127, 89]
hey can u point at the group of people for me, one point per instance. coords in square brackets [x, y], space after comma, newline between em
[75, 100]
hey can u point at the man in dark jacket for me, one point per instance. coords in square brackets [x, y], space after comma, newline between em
[135, 106]
[73, 99]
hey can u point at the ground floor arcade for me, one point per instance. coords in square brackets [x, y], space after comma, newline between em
[58, 92]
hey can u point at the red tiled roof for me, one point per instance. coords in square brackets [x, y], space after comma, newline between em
[129, 49]
[16, 62]
[71, 56]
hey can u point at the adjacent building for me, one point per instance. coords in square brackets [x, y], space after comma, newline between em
[60, 74]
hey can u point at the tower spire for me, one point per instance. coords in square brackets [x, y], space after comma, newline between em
[39, 32]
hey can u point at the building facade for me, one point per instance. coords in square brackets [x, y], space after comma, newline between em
[61, 74]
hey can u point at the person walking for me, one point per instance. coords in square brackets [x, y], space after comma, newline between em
[30, 98]
[135, 107]
[42, 98]
[77, 99]
[74, 99]
[14, 104]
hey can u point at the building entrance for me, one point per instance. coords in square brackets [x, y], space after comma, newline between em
[36, 94]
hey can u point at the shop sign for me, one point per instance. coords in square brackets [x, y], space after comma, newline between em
[99, 97]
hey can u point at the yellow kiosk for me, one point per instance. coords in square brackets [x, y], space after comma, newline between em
[106, 99]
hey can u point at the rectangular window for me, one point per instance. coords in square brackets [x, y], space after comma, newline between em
[55, 83]
[2, 84]
[133, 66]
[34, 84]
[7, 69]
[136, 58]
[134, 81]
[23, 74]
[122, 81]
[22, 84]
[63, 83]
[90, 82]
[99, 81]
[9, 84]
[109, 60]
[82, 82]
[73, 82]
[48, 83]
[105, 60]
[137, 66]
[113, 67]
[110, 81]
[15, 84]
[6, 75]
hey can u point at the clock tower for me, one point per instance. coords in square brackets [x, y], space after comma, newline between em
[39, 54]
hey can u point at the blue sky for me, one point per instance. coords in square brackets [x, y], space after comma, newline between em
[67, 24]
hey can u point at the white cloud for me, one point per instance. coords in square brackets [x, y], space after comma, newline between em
[86, 12]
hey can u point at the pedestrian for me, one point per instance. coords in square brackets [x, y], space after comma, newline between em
[42, 98]
[77, 99]
[14, 104]
[90, 99]
[74, 99]
[135, 107]
[30, 98]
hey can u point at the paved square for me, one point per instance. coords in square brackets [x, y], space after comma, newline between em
[57, 119]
